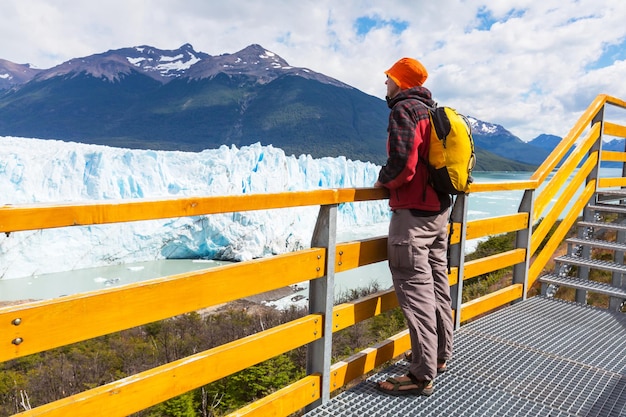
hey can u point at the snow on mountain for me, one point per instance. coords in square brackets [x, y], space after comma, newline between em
[481, 127]
[50, 171]
[159, 64]
[484, 128]
[14, 74]
[165, 65]
[257, 62]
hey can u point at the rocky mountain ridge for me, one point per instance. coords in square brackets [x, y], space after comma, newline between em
[182, 99]
[165, 65]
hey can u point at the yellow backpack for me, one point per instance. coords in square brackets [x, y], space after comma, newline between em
[451, 156]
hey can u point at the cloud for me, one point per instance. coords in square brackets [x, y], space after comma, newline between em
[531, 66]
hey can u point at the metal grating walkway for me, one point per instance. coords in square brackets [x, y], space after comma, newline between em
[540, 357]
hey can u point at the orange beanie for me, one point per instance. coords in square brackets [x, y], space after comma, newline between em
[407, 73]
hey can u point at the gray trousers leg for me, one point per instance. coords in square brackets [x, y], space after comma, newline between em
[417, 249]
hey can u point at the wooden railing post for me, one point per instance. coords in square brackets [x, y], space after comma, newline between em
[522, 240]
[457, 255]
[321, 300]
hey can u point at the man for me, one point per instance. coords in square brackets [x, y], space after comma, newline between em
[418, 241]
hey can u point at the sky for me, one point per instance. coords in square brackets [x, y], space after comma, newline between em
[530, 66]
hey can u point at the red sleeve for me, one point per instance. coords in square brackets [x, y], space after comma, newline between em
[407, 126]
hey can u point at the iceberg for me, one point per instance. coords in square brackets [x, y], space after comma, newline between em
[53, 171]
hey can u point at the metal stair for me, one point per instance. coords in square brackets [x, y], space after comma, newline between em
[541, 357]
[600, 245]
[593, 286]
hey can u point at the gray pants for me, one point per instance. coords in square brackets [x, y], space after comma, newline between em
[417, 249]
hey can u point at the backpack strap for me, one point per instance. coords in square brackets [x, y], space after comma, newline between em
[440, 130]
[422, 158]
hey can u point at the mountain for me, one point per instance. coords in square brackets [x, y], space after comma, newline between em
[617, 145]
[547, 142]
[499, 141]
[15, 74]
[488, 161]
[181, 99]
[148, 98]
[113, 66]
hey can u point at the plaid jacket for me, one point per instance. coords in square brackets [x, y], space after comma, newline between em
[408, 136]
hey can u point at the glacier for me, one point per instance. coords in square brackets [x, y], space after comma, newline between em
[34, 171]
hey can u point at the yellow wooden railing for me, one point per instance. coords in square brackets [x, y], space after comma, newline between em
[42, 325]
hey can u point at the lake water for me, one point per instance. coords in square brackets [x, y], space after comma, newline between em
[47, 286]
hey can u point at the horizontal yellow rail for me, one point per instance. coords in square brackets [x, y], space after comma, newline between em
[285, 401]
[486, 303]
[369, 359]
[611, 182]
[494, 262]
[348, 314]
[352, 255]
[478, 187]
[140, 391]
[496, 225]
[612, 156]
[46, 216]
[43, 325]
[614, 100]
[612, 129]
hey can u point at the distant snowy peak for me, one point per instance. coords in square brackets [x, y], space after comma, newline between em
[253, 60]
[486, 129]
[164, 65]
[14, 74]
[114, 64]
[257, 62]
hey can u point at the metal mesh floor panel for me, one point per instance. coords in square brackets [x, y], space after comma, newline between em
[540, 357]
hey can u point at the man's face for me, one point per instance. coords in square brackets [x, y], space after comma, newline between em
[392, 88]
